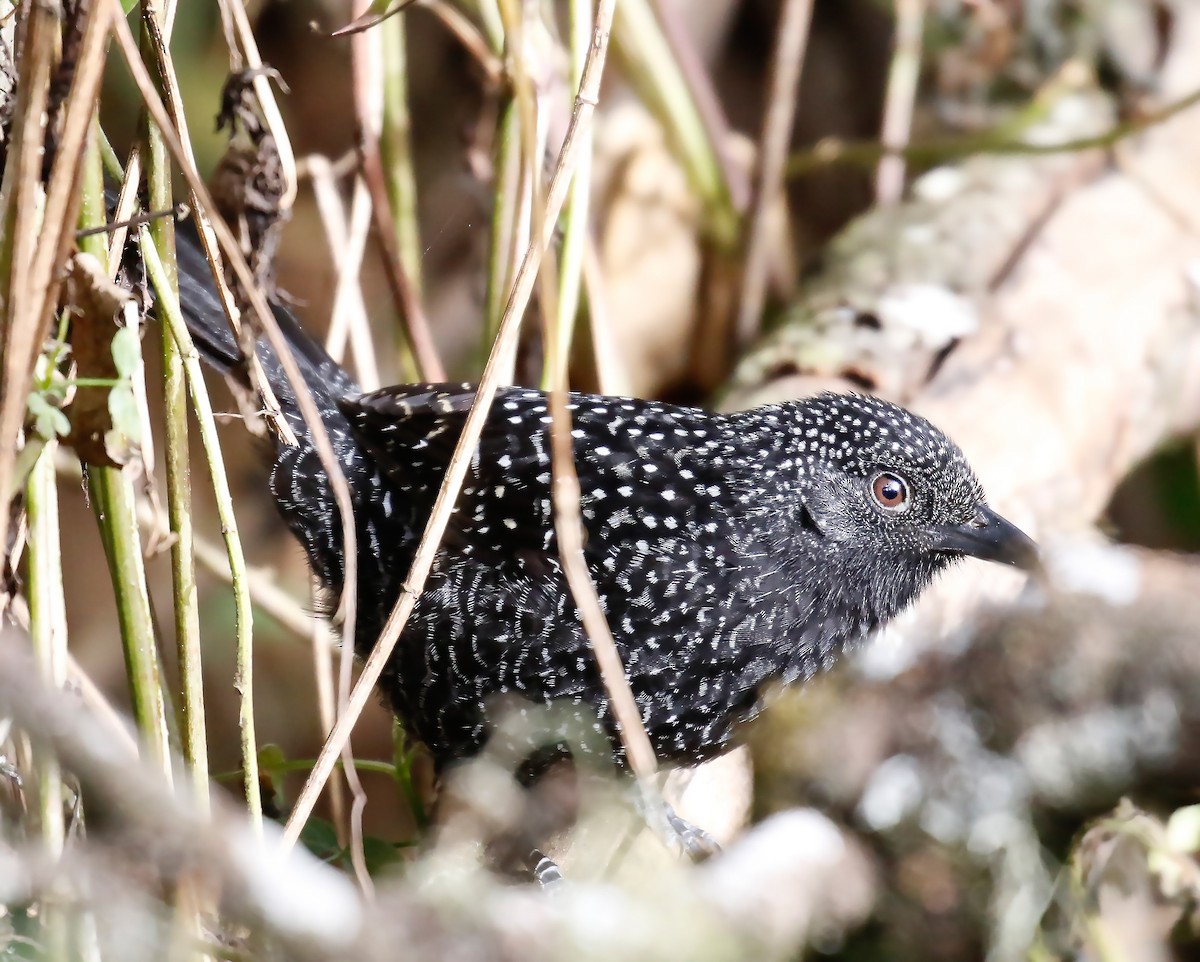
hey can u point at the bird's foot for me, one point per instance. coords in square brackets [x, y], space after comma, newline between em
[690, 840]
[678, 834]
[546, 871]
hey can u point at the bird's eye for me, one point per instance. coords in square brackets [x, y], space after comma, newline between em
[890, 492]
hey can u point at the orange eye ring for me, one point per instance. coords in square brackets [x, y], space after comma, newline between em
[890, 492]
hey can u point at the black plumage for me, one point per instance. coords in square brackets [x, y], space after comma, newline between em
[730, 551]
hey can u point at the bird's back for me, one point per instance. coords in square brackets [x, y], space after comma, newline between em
[689, 538]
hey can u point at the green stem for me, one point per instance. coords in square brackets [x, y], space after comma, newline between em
[395, 144]
[998, 141]
[168, 308]
[306, 765]
[48, 632]
[47, 620]
[503, 242]
[114, 503]
[403, 755]
[178, 465]
[661, 84]
[488, 12]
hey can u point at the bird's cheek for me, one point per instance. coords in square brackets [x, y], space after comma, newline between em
[831, 516]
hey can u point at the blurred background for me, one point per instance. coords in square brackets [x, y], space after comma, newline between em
[1021, 265]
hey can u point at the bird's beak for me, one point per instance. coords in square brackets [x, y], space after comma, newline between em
[989, 537]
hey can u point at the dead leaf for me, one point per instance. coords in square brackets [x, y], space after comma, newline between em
[105, 420]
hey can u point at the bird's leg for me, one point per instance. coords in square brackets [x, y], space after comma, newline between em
[676, 833]
[695, 842]
[545, 871]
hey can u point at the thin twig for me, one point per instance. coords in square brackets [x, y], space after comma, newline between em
[456, 470]
[363, 22]
[112, 226]
[787, 64]
[460, 26]
[832, 151]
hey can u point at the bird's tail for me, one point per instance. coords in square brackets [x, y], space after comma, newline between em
[215, 342]
[202, 308]
[298, 480]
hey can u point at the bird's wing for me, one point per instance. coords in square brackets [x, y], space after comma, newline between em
[645, 469]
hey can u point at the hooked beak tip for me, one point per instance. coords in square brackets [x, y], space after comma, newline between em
[990, 537]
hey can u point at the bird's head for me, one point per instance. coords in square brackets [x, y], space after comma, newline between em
[883, 480]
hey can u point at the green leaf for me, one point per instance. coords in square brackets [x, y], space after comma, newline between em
[123, 408]
[127, 351]
[379, 854]
[48, 421]
[404, 753]
[319, 838]
[273, 763]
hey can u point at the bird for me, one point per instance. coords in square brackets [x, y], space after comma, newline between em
[732, 553]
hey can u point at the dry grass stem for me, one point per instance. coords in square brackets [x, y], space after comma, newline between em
[787, 64]
[903, 76]
[705, 99]
[323, 647]
[568, 523]
[40, 248]
[367, 79]
[347, 236]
